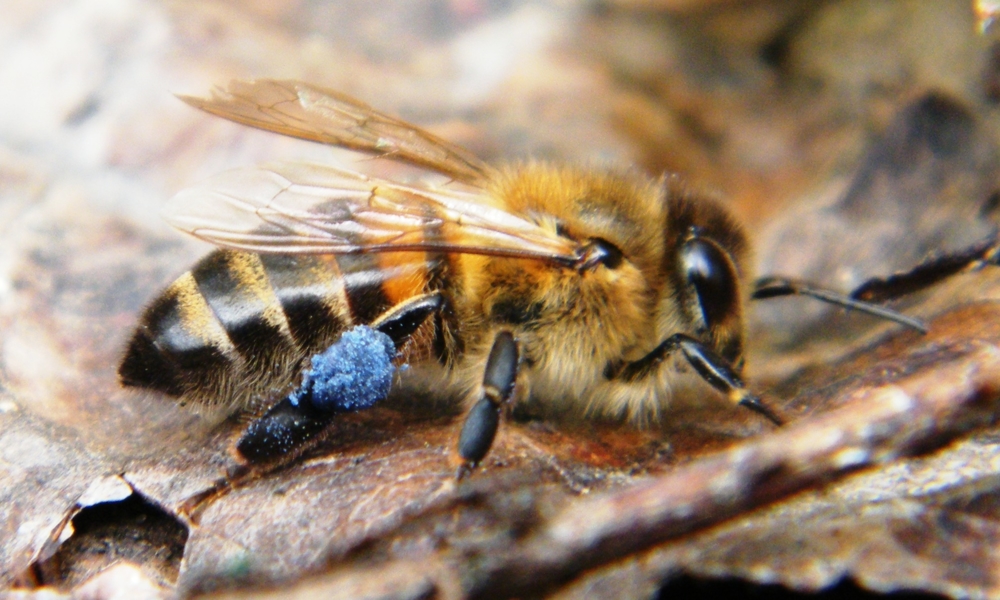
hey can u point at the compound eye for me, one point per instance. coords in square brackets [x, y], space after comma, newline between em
[711, 272]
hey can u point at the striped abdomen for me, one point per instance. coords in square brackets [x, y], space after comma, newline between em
[238, 327]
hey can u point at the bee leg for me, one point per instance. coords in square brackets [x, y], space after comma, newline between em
[297, 422]
[929, 272]
[282, 433]
[773, 287]
[400, 323]
[482, 421]
[714, 369]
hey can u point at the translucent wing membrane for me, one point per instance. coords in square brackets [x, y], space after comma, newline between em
[313, 113]
[312, 209]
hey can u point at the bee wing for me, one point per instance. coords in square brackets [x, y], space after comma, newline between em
[305, 111]
[296, 208]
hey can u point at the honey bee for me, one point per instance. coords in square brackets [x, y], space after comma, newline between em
[568, 288]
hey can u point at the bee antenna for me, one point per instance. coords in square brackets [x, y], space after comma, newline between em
[773, 287]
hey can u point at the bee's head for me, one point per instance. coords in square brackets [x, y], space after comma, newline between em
[706, 261]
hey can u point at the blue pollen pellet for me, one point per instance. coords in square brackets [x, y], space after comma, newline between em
[352, 374]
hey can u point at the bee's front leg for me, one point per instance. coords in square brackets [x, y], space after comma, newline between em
[482, 421]
[714, 369]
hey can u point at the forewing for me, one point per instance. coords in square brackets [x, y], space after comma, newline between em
[305, 111]
[296, 208]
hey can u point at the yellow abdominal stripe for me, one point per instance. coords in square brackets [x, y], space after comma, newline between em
[250, 272]
[196, 315]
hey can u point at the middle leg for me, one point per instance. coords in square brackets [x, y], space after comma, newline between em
[482, 421]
